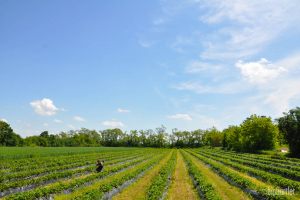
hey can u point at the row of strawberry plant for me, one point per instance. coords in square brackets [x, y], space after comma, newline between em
[45, 170]
[275, 159]
[58, 175]
[207, 190]
[98, 191]
[263, 175]
[36, 163]
[73, 184]
[43, 152]
[32, 162]
[259, 157]
[288, 173]
[258, 192]
[160, 182]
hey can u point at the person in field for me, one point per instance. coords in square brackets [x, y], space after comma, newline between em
[100, 165]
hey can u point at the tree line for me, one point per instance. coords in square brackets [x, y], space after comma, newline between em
[254, 134]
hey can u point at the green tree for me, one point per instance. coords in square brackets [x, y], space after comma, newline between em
[143, 138]
[213, 137]
[197, 136]
[232, 138]
[111, 137]
[45, 134]
[7, 135]
[161, 136]
[258, 133]
[35, 141]
[289, 124]
[44, 139]
[55, 141]
[178, 137]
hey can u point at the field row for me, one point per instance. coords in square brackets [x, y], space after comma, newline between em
[157, 174]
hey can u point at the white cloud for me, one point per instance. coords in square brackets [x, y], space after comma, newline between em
[236, 28]
[260, 71]
[267, 76]
[269, 88]
[276, 89]
[4, 120]
[113, 124]
[253, 25]
[58, 121]
[247, 12]
[121, 110]
[45, 124]
[44, 107]
[79, 119]
[180, 116]
[232, 30]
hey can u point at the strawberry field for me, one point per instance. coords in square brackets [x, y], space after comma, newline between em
[145, 173]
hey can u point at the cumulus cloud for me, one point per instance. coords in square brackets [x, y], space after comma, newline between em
[180, 116]
[79, 119]
[260, 71]
[121, 110]
[113, 124]
[268, 88]
[44, 107]
[276, 89]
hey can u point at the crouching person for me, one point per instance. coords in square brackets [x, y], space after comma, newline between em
[100, 165]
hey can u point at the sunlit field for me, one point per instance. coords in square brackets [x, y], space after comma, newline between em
[145, 173]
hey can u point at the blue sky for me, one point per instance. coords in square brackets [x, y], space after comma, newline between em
[139, 64]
